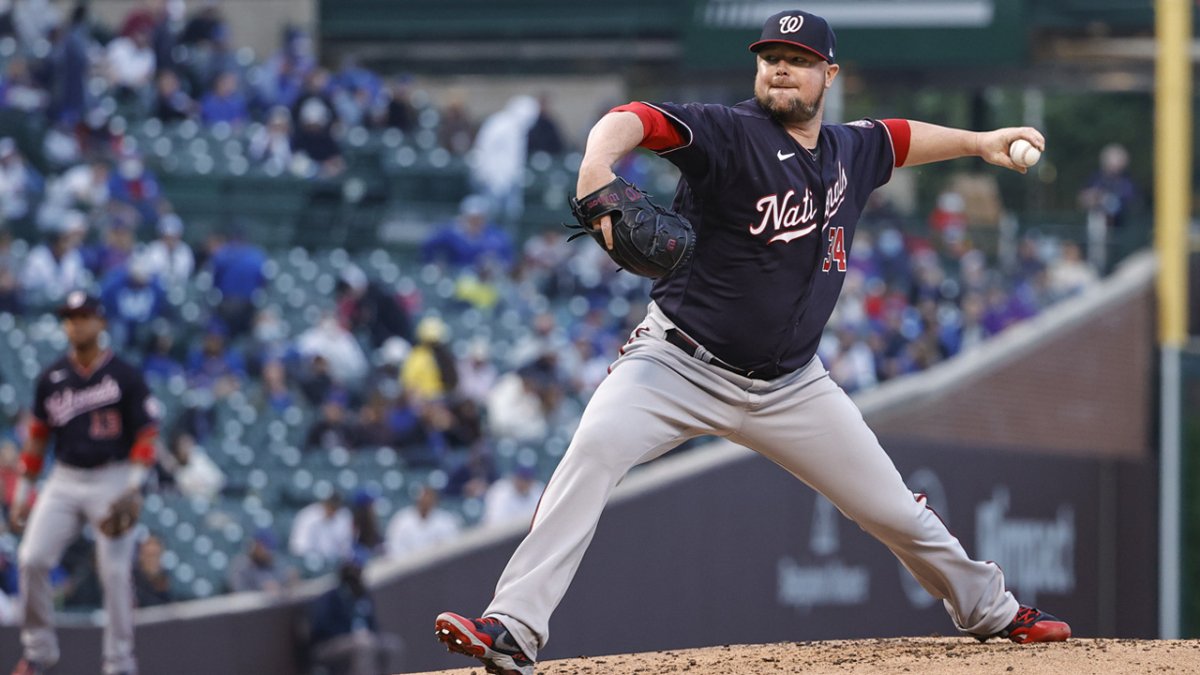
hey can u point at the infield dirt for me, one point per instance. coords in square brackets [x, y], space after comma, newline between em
[927, 656]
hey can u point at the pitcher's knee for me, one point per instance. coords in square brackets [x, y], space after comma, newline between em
[609, 446]
[911, 521]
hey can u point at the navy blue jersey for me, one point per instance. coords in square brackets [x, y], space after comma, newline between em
[93, 416]
[774, 222]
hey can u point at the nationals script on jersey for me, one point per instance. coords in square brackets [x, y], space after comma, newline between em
[774, 225]
[93, 415]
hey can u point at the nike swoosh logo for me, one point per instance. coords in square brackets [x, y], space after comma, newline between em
[504, 642]
[781, 156]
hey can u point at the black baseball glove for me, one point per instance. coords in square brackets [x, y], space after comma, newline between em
[648, 240]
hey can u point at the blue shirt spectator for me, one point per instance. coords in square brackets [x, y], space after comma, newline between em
[283, 73]
[158, 364]
[134, 184]
[237, 269]
[356, 92]
[212, 360]
[69, 67]
[967, 329]
[353, 76]
[470, 240]
[114, 248]
[132, 300]
[224, 103]
[276, 393]
[1110, 190]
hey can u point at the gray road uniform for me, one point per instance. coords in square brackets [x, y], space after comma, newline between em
[93, 418]
[728, 348]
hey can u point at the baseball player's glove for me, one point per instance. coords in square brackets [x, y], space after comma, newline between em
[648, 240]
[122, 515]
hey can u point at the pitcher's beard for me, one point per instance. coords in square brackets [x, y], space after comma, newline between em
[792, 111]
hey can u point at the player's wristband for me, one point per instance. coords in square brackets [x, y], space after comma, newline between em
[142, 452]
[38, 430]
[31, 465]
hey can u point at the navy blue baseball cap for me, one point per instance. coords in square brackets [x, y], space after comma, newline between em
[79, 303]
[799, 29]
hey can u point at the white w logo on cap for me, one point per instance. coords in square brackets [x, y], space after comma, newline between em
[790, 24]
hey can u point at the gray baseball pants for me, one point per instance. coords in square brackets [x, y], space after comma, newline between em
[71, 497]
[655, 398]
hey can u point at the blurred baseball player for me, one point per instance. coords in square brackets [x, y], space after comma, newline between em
[99, 413]
[729, 341]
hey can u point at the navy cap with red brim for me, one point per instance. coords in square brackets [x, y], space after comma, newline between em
[799, 29]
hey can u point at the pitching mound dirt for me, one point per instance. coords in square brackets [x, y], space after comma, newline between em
[928, 656]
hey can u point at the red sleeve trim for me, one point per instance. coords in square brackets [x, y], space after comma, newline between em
[901, 134]
[143, 446]
[39, 429]
[31, 464]
[660, 133]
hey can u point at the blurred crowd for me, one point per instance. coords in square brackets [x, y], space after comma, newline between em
[91, 84]
[383, 362]
[915, 298]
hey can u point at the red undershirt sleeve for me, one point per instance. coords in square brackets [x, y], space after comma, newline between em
[660, 134]
[38, 429]
[143, 445]
[901, 138]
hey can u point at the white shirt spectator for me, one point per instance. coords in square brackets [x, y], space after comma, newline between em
[497, 158]
[512, 498]
[84, 185]
[271, 145]
[34, 19]
[200, 477]
[1070, 273]
[853, 365]
[476, 374]
[325, 529]
[16, 182]
[414, 529]
[46, 278]
[130, 64]
[61, 147]
[347, 362]
[514, 410]
[170, 258]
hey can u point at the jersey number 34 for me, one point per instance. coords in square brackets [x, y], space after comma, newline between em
[837, 250]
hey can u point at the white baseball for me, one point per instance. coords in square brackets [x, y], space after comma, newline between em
[1023, 153]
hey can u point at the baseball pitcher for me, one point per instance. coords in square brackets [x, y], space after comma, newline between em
[99, 414]
[748, 264]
